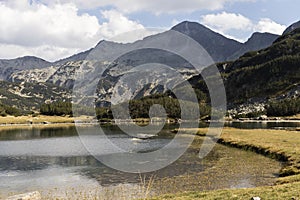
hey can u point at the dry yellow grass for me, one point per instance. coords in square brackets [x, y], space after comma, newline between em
[295, 117]
[282, 145]
[11, 120]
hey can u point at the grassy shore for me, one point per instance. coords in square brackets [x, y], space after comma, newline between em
[40, 119]
[295, 117]
[281, 145]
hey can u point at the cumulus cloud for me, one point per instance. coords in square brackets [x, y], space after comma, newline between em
[117, 23]
[119, 28]
[48, 52]
[154, 6]
[226, 23]
[55, 31]
[267, 25]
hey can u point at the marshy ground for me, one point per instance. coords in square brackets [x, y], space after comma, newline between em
[278, 144]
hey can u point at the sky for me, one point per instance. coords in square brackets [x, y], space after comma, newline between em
[55, 29]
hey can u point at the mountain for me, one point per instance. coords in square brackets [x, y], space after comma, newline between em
[29, 96]
[219, 47]
[77, 57]
[120, 68]
[292, 27]
[262, 76]
[7, 67]
[247, 77]
[256, 42]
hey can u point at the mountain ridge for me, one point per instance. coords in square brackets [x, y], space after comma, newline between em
[292, 27]
[197, 31]
[251, 60]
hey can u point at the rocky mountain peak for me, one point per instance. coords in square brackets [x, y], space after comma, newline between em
[218, 46]
[187, 27]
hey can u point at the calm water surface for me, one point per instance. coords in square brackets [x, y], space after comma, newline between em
[53, 161]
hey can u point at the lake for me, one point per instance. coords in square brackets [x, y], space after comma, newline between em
[54, 162]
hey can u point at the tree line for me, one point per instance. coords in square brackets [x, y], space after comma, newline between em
[286, 107]
[56, 108]
[137, 108]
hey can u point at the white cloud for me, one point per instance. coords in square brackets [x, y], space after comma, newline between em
[55, 31]
[57, 25]
[117, 24]
[154, 6]
[48, 52]
[226, 23]
[118, 28]
[267, 25]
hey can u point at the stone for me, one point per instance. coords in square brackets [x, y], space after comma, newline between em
[26, 196]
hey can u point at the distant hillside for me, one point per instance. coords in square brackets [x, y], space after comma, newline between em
[28, 96]
[7, 67]
[257, 76]
[26, 62]
[256, 42]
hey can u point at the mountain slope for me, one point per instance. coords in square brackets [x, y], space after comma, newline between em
[7, 67]
[273, 72]
[260, 78]
[256, 42]
[27, 96]
[255, 76]
[292, 27]
[219, 47]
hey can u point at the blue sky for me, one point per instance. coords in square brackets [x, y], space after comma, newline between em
[54, 29]
[282, 11]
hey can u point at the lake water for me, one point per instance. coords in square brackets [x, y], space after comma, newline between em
[54, 162]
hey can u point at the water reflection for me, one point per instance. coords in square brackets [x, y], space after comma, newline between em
[263, 125]
[37, 133]
[69, 131]
[47, 158]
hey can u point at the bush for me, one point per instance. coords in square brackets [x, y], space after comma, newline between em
[9, 110]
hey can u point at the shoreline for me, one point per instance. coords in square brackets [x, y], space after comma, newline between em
[279, 156]
[292, 167]
[284, 146]
[178, 179]
[44, 119]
